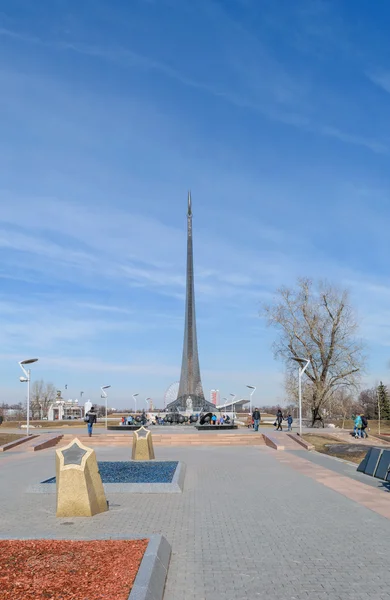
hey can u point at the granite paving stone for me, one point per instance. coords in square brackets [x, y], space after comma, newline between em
[246, 526]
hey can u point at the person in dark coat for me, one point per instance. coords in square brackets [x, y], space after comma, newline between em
[279, 420]
[364, 426]
[90, 419]
[256, 418]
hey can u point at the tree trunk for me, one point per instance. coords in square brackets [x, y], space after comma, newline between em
[316, 416]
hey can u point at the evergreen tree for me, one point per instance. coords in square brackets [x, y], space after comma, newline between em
[384, 401]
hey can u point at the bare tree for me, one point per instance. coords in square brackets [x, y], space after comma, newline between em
[20, 412]
[35, 399]
[100, 410]
[49, 394]
[42, 396]
[343, 404]
[318, 324]
[291, 387]
[369, 402]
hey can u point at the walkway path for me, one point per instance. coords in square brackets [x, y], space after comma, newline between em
[248, 525]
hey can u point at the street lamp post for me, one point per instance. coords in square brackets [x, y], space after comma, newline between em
[251, 387]
[25, 379]
[147, 401]
[233, 397]
[104, 395]
[301, 369]
[135, 402]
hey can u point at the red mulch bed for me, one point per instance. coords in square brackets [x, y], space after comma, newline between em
[69, 570]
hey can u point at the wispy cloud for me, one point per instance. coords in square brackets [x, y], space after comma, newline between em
[261, 83]
[93, 365]
[371, 144]
[381, 78]
[130, 235]
[105, 308]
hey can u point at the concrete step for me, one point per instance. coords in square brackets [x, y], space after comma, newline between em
[171, 440]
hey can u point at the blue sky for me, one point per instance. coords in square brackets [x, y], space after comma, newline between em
[275, 113]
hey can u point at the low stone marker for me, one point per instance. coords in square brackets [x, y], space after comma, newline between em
[80, 491]
[142, 445]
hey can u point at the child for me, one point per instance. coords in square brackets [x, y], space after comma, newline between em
[358, 427]
[289, 423]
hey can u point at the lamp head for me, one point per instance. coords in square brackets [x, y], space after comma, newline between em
[28, 361]
[23, 379]
[300, 360]
[105, 387]
[135, 395]
[251, 387]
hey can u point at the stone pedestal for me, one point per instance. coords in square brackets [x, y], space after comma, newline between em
[142, 445]
[80, 491]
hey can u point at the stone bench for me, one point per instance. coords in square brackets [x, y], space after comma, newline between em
[376, 463]
[22, 440]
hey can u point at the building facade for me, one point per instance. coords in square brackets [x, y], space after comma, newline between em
[214, 397]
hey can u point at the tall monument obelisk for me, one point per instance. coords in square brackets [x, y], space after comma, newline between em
[190, 395]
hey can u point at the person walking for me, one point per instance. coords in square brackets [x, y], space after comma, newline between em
[90, 419]
[358, 427]
[279, 420]
[364, 426]
[256, 419]
[289, 423]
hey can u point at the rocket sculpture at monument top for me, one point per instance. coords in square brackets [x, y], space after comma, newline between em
[190, 392]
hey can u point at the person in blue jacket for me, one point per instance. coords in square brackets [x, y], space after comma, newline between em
[289, 423]
[358, 427]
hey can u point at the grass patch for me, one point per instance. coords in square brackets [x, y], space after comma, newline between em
[48, 424]
[373, 425]
[6, 438]
[331, 447]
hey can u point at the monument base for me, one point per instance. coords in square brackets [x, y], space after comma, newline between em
[79, 488]
[215, 427]
[124, 427]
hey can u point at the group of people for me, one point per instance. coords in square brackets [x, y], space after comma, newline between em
[91, 418]
[130, 420]
[254, 420]
[360, 424]
[279, 421]
[219, 420]
[360, 427]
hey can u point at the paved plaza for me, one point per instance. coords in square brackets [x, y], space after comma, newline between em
[251, 523]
